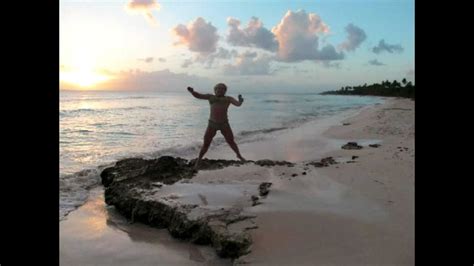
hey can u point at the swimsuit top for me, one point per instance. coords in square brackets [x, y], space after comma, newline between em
[219, 100]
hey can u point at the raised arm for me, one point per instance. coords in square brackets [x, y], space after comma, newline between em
[235, 102]
[199, 95]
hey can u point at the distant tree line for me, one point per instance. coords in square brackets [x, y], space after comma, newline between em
[386, 88]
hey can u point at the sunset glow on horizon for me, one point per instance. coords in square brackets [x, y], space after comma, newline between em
[254, 45]
[82, 78]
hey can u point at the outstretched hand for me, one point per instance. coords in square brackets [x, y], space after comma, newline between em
[190, 89]
[241, 99]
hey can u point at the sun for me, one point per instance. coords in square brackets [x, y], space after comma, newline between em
[81, 70]
[83, 78]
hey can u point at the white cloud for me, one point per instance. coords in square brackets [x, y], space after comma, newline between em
[198, 36]
[220, 54]
[249, 63]
[143, 6]
[254, 35]
[298, 38]
[187, 63]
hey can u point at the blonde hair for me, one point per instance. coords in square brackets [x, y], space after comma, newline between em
[220, 85]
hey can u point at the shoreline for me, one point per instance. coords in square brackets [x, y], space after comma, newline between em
[303, 142]
[218, 150]
[331, 215]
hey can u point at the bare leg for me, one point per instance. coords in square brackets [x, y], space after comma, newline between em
[208, 136]
[229, 137]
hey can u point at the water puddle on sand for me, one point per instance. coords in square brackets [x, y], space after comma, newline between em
[210, 196]
[96, 234]
[316, 193]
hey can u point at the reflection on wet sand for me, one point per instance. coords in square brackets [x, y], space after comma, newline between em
[97, 234]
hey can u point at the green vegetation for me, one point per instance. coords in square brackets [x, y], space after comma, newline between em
[386, 88]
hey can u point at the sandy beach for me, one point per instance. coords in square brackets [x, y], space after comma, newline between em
[359, 211]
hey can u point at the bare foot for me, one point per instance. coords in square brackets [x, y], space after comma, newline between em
[241, 158]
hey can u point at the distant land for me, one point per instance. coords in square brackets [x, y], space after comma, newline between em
[386, 88]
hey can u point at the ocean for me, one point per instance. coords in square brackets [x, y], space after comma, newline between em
[99, 128]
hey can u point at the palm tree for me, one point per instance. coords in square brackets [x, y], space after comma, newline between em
[395, 84]
[404, 81]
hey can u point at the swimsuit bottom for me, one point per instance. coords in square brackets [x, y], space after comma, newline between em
[218, 125]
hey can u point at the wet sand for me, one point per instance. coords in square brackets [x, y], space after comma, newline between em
[96, 234]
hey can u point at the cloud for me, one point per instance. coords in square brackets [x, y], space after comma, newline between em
[147, 59]
[328, 53]
[209, 59]
[221, 53]
[143, 6]
[297, 36]
[187, 63]
[283, 68]
[248, 54]
[296, 70]
[254, 35]
[391, 48]
[199, 36]
[329, 64]
[355, 36]
[161, 59]
[375, 62]
[249, 63]
[163, 80]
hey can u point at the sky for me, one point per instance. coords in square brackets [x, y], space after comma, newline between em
[265, 45]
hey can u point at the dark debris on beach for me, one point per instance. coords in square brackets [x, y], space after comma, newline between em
[351, 146]
[325, 162]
